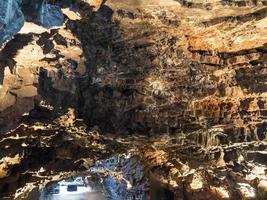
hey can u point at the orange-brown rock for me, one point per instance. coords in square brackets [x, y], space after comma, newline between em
[193, 71]
[95, 4]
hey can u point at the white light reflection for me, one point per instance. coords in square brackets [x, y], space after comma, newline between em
[71, 189]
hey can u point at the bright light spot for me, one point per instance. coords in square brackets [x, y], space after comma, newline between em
[80, 190]
[71, 14]
[221, 192]
[25, 114]
[263, 185]
[257, 171]
[196, 183]
[246, 190]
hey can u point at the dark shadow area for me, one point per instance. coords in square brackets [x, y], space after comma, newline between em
[252, 79]
[108, 97]
[158, 191]
[116, 95]
[9, 52]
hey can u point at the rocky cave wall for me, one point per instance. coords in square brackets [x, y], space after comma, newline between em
[193, 70]
[149, 74]
[147, 70]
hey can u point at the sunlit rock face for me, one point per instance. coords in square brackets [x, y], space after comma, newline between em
[186, 79]
[95, 4]
[33, 72]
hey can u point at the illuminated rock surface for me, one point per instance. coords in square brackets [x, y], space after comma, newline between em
[157, 99]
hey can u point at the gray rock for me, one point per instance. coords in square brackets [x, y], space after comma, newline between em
[11, 19]
[13, 13]
[50, 15]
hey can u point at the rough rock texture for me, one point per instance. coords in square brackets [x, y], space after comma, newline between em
[163, 171]
[161, 71]
[192, 70]
[50, 75]
[11, 19]
[38, 151]
[14, 12]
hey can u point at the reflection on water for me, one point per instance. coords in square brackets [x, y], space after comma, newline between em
[76, 188]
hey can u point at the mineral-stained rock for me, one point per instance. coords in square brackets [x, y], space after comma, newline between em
[195, 71]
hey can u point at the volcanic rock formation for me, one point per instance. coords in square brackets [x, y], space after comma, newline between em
[160, 98]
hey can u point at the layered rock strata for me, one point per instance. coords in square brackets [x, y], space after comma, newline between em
[168, 72]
